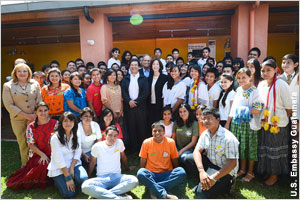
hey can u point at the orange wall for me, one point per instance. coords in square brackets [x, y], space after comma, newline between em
[39, 55]
[278, 46]
[167, 44]
[281, 44]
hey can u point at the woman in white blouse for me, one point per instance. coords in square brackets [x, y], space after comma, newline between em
[156, 81]
[198, 93]
[65, 165]
[167, 116]
[174, 91]
[89, 133]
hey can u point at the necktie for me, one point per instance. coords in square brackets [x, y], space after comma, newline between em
[289, 78]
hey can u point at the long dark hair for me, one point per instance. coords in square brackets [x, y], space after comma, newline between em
[187, 71]
[119, 70]
[71, 85]
[61, 131]
[124, 61]
[238, 60]
[168, 107]
[230, 78]
[190, 119]
[108, 73]
[35, 109]
[160, 66]
[197, 68]
[170, 83]
[210, 66]
[105, 112]
[257, 74]
[53, 70]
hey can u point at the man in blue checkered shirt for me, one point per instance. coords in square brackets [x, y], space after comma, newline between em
[216, 156]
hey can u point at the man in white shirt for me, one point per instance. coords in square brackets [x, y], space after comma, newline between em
[109, 183]
[205, 55]
[157, 54]
[115, 52]
[135, 92]
[289, 64]
[216, 156]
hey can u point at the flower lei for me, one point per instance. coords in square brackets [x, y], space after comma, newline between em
[195, 100]
[274, 119]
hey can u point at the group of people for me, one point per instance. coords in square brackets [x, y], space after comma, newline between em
[212, 118]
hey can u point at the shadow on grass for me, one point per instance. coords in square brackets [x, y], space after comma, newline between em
[256, 189]
[10, 162]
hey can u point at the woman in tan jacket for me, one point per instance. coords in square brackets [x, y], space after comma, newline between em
[20, 95]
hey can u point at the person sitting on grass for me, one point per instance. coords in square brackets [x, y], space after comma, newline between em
[65, 164]
[159, 164]
[109, 183]
[89, 133]
[34, 173]
[220, 163]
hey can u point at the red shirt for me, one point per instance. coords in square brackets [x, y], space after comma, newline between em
[93, 94]
[120, 136]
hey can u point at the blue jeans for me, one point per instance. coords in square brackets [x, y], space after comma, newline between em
[84, 163]
[160, 183]
[186, 159]
[80, 176]
[109, 186]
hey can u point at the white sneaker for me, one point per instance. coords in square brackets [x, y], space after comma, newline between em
[171, 196]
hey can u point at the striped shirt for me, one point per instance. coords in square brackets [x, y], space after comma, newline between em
[222, 146]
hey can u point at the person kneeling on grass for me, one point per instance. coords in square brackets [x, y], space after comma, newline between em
[218, 167]
[159, 164]
[109, 183]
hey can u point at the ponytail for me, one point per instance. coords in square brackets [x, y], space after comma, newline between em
[170, 82]
[230, 78]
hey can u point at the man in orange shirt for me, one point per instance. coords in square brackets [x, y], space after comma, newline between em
[159, 164]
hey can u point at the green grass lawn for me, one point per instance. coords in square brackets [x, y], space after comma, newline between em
[10, 162]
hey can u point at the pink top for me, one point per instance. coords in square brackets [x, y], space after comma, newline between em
[112, 96]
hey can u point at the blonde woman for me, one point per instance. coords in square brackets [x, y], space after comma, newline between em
[20, 95]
